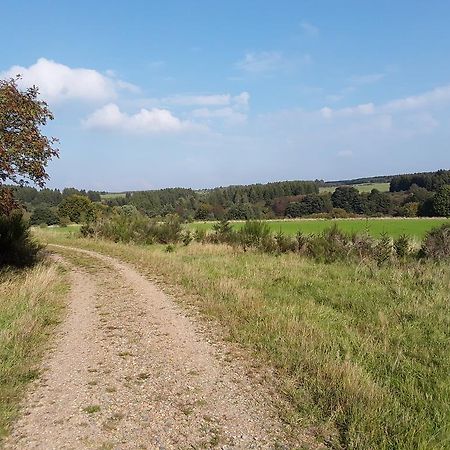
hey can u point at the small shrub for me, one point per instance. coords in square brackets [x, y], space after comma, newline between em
[186, 237]
[402, 246]
[87, 230]
[64, 221]
[269, 244]
[170, 230]
[436, 244]
[363, 245]
[17, 248]
[200, 235]
[223, 227]
[302, 242]
[170, 248]
[253, 233]
[384, 249]
[285, 243]
[332, 245]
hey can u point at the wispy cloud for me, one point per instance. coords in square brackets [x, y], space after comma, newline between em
[259, 62]
[235, 111]
[436, 97]
[58, 82]
[309, 29]
[266, 62]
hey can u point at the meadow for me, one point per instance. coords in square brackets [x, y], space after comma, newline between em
[414, 227]
[360, 351]
[112, 195]
[364, 187]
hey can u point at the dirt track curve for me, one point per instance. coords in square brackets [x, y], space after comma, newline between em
[130, 369]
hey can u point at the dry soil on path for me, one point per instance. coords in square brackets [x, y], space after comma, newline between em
[131, 369]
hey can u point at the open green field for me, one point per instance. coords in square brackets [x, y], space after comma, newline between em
[112, 195]
[365, 187]
[73, 228]
[413, 227]
[360, 351]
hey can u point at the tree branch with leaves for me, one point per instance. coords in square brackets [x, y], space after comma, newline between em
[24, 150]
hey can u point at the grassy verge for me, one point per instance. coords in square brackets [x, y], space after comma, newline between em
[31, 303]
[362, 351]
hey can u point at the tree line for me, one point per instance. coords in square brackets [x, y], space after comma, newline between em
[286, 199]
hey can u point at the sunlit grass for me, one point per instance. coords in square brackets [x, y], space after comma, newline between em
[31, 303]
[362, 352]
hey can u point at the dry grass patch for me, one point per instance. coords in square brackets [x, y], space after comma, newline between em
[31, 304]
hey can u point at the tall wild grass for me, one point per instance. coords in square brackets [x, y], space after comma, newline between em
[30, 304]
[361, 348]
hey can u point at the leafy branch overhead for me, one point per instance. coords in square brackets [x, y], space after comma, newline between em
[24, 150]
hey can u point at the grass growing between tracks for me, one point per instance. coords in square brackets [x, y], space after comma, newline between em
[361, 351]
[31, 303]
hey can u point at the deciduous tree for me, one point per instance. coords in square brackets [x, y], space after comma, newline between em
[24, 149]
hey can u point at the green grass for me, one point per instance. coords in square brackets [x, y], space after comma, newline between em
[365, 187]
[69, 229]
[394, 227]
[112, 195]
[31, 304]
[361, 352]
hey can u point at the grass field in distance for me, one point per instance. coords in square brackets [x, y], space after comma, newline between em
[413, 227]
[112, 195]
[365, 187]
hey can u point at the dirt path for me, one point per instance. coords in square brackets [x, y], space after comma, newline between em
[131, 370]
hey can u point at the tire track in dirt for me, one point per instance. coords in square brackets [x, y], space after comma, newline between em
[131, 370]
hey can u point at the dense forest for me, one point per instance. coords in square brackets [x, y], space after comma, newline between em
[421, 194]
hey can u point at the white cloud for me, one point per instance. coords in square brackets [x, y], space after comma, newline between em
[58, 82]
[326, 112]
[155, 120]
[309, 29]
[257, 62]
[233, 113]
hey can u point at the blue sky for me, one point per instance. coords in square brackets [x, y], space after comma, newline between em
[207, 93]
